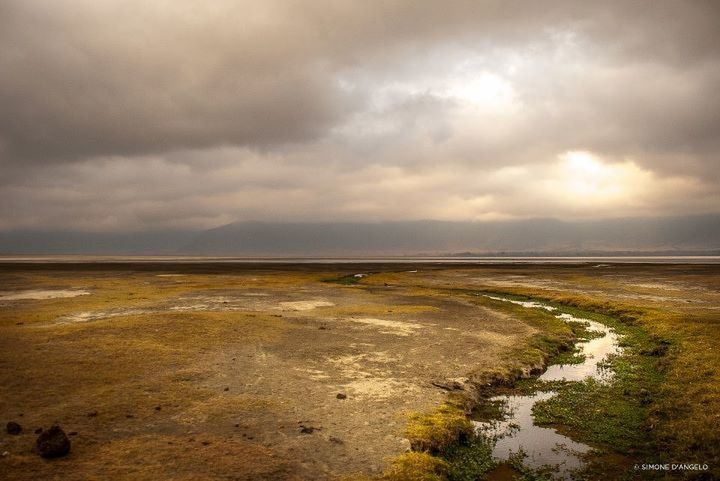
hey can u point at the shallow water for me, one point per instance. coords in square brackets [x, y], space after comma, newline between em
[543, 446]
[596, 260]
[518, 432]
[594, 351]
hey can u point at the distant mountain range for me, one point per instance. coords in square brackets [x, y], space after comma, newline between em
[641, 236]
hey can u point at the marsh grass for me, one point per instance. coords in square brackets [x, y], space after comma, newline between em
[416, 466]
[664, 402]
[347, 280]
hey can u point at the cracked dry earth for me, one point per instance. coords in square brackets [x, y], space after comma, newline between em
[229, 372]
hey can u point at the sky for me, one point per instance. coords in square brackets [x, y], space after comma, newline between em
[135, 115]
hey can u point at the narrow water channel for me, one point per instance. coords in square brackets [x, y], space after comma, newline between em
[517, 431]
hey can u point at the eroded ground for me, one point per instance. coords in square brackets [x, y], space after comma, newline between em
[228, 374]
[233, 372]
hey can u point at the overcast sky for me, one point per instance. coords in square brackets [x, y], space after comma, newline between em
[118, 115]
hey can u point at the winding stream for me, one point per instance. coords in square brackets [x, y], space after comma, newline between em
[518, 432]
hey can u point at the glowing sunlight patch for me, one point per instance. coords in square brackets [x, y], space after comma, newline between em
[484, 90]
[583, 179]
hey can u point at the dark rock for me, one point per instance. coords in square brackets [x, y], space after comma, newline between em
[659, 350]
[13, 428]
[645, 397]
[341, 395]
[226, 389]
[53, 443]
[336, 440]
[158, 408]
[38, 430]
[73, 433]
[92, 414]
[129, 416]
[206, 443]
[308, 429]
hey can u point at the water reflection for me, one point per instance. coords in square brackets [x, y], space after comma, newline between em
[517, 431]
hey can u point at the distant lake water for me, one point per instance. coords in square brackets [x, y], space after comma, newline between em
[369, 260]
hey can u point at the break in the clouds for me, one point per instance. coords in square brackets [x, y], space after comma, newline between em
[139, 115]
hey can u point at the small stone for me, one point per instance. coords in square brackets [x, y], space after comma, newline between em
[73, 433]
[5, 454]
[13, 428]
[341, 395]
[53, 443]
[158, 408]
[129, 416]
[206, 443]
[38, 430]
[92, 414]
[307, 429]
[336, 440]
[237, 425]
[226, 389]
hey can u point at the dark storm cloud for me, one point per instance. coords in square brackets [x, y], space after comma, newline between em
[334, 109]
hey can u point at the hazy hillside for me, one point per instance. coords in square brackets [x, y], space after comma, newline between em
[435, 237]
[699, 233]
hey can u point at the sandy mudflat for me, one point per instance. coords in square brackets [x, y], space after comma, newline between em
[237, 369]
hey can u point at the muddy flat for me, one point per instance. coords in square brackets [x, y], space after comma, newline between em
[168, 371]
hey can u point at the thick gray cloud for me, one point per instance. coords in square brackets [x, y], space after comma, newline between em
[133, 114]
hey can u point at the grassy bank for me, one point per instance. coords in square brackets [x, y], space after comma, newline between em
[663, 405]
[682, 409]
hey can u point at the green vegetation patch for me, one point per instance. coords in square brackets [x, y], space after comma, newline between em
[416, 466]
[347, 280]
[470, 460]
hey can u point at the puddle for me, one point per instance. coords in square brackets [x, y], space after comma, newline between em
[537, 305]
[517, 431]
[594, 351]
[42, 294]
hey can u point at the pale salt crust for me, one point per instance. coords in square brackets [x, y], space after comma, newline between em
[41, 294]
[303, 305]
